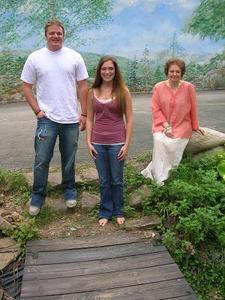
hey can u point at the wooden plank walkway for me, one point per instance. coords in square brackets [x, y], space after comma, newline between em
[122, 266]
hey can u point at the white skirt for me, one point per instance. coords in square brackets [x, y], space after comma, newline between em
[167, 153]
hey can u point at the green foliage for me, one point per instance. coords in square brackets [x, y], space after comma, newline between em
[11, 67]
[24, 19]
[21, 199]
[221, 166]
[129, 211]
[90, 186]
[208, 20]
[132, 178]
[192, 207]
[14, 186]
[46, 216]
[13, 182]
[26, 230]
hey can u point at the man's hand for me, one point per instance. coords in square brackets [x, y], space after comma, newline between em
[41, 114]
[82, 123]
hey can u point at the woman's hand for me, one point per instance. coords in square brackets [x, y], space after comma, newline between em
[168, 131]
[92, 151]
[123, 153]
[200, 131]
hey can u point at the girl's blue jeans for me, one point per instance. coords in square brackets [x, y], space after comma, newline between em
[110, 171]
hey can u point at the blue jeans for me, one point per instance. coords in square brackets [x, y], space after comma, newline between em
[110, 171]
[45, 139]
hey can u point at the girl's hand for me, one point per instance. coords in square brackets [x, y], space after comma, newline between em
[123, 153]
[92, 151]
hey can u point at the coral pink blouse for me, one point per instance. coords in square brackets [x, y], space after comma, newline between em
[177, 107]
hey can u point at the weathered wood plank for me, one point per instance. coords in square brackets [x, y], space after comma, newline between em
[171, 289]
[151, 291]
[85, 242]
[78, 255]
[120, 266]
[97, 282]
[96, 267]
[190, 297]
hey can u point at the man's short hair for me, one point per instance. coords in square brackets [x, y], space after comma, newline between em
[54, 22]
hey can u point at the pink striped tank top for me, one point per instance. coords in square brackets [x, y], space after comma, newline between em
[108, 127]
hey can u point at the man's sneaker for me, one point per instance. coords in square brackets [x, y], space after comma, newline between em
[70, 203]
[34, 210]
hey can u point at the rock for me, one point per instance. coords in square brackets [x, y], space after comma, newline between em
[152, 234]
[57, 204]
[10, 216]
[137, 197]
[1, 294]
[89, 201]
[209, 140]
[6, 296]
[9, 251]
[4, 224]
[89, 174]
[215, 150]
[54, 177]
[148, 222]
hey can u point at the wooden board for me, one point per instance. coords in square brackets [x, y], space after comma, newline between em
[102, 268]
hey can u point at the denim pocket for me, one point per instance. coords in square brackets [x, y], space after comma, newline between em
[42, 132]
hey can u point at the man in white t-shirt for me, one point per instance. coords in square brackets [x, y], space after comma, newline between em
[57, 73]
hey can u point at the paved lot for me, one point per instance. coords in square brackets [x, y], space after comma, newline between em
[18, 126]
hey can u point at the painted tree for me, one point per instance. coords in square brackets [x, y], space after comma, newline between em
[158, 74]
[208, 20]
[133, 82]
[175, 48]
[24, 19]
[146, 77]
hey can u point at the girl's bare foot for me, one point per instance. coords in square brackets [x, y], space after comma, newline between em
[120, 220]
[103, 222]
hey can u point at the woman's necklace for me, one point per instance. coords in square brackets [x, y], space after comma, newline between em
[173, 86]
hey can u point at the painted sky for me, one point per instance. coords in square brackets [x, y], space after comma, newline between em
[151, 23]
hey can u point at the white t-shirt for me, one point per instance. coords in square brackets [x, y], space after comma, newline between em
[55, 74]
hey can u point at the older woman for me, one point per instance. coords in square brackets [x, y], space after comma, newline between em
[174, 117]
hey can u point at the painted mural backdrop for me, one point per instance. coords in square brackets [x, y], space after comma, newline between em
[142, 34]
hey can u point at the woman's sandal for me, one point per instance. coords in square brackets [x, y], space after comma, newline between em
[103, 222]
[120, 220]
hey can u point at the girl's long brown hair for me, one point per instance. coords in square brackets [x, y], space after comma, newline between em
[119, 87]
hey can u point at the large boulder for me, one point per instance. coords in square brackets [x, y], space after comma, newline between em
[137, 196]
[199, 143]
[89, 201]
[9, 251]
